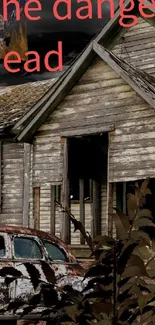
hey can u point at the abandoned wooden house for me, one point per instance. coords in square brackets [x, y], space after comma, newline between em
[83, 138]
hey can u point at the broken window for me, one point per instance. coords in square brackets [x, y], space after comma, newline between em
[2, 247]
[54, 252]
[26, 248]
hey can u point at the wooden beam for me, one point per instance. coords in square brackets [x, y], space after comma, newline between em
[96, 213]
[82, 208]
[65, 222]
[110, 209]
[105, 31]
[124, 197]
[27, 166]
[52, 220]
[36, 207]
[87, 130]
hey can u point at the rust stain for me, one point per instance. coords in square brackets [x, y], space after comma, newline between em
[68, 272]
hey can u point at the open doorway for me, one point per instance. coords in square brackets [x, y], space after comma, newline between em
[87, 171]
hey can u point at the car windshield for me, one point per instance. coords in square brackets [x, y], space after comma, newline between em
[54, 252]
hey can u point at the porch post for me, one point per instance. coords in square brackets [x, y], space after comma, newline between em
[96, 211]
[36, 207]
[65, 222]
[110, 209]
[26, 190]
[82, 208]
[52, 219]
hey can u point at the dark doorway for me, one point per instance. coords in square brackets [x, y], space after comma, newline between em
[87, 160]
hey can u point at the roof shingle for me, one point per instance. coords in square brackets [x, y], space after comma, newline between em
[16, 100]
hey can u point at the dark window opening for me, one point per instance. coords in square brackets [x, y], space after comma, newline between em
[2, 247]
[26, 248]
[87, 162]
[54, 252]
[75, 186]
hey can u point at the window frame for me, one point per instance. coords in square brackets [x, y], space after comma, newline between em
[90, 192]
[60, 248]
[5, 250]
[33, 238]
[8, 244]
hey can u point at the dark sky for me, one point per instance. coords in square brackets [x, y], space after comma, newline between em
[42, 34]
[49, 24]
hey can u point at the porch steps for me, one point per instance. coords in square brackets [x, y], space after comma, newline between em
[81, 252]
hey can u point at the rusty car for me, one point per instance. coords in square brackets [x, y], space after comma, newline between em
[20, 246]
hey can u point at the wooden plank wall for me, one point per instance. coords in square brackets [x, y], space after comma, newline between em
[26, 183]
[102, 98]
[46, 171]
[47, 157]
[138, 46]
[12, 184]
[31, 219]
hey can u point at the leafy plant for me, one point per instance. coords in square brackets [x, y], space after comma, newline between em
[122, 280]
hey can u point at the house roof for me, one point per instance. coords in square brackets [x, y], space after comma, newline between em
[16, 100]
[32, 118]
[140, 81]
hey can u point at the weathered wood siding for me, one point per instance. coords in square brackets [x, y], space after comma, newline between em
[47, 158]
[31, 219]
[102, 98]
[138, 46]
[12, 184]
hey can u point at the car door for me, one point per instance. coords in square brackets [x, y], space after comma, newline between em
[33, 250]
[66, 271]
[26, 249]
[5, 261]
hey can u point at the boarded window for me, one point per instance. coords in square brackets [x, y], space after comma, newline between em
[2, 247]
[54, 252]
[26, 248]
